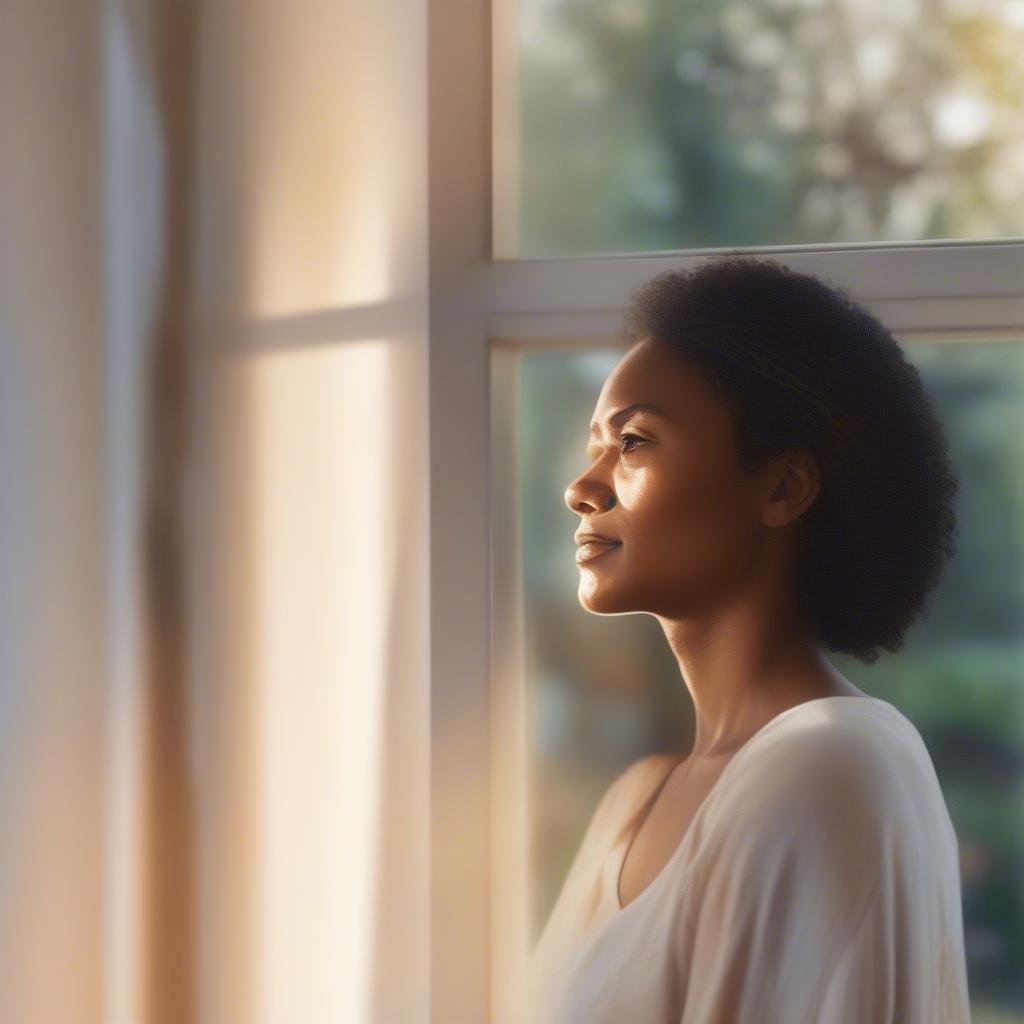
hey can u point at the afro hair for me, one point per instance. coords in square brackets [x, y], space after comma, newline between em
[800, 363]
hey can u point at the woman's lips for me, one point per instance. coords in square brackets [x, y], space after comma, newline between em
[595, 549]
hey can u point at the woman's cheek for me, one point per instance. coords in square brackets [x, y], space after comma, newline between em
[636, 490]
[698, 536]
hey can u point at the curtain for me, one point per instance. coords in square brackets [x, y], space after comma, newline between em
[214, 705]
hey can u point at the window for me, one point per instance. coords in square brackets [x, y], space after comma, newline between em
[608, 120]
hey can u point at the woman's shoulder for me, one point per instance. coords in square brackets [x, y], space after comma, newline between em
[864, 735]
[854, 758]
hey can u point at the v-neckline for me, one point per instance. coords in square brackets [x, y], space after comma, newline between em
[651, 800]
[656, 792]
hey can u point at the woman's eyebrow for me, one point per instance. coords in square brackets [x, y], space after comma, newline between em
[621, 414]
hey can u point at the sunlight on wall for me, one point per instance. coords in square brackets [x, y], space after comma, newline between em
[310, 597]
[320, 171]
[311, 696]
[317, 194]
[318, 499]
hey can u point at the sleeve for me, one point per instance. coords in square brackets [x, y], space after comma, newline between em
[788, 918]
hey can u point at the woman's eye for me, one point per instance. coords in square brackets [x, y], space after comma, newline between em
[624, 438]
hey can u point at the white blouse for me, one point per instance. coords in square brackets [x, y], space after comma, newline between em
[818, 883]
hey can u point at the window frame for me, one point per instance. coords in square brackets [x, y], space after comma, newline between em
[485, 311]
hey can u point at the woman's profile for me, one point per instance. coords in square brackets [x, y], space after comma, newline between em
[767, 478]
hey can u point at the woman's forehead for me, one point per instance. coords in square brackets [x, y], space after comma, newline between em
[651, 374]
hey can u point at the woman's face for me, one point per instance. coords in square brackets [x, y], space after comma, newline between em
[687, 521]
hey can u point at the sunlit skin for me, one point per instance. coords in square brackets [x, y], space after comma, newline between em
[705, 549]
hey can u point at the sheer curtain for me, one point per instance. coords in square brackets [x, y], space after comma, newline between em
[214, 703]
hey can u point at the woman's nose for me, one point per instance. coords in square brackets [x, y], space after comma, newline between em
[584, 496]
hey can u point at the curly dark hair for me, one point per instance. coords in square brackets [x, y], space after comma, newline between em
[800, 363]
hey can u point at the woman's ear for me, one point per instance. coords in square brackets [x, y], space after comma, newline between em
[794, 482]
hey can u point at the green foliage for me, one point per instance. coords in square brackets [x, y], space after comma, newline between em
[668, 124]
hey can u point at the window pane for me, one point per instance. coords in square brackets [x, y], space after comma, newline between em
[605, 690]
[648, 125]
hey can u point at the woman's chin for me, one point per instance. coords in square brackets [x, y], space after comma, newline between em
[601, 597]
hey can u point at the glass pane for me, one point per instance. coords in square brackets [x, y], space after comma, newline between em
[653, 124]
[605, 690]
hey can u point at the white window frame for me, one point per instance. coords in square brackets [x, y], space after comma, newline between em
[483, 313]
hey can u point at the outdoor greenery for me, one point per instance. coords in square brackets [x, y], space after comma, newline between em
[668, 124]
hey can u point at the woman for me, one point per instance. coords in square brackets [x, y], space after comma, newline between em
[768, 479]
